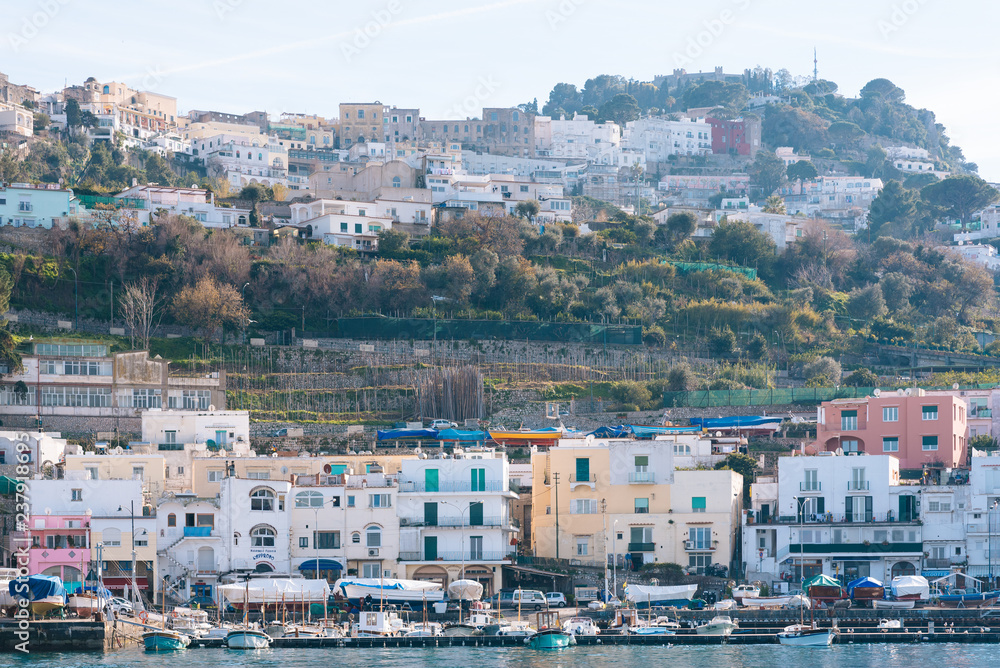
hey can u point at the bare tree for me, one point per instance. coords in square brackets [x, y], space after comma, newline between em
[141, 307]
[209, 305]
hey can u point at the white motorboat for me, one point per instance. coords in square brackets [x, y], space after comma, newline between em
[720, 625]
[889, 624]
[803, 635]
[519, 627]
[743, 591]
[378, 624]
[390, 591]
[275, 593]
[477, 623]
[581, 626]
[192, 622]
[425, 630]
[894, 605]
[86, 604]
[766, 601]
[247, 639]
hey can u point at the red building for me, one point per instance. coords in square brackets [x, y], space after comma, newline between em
[739, 136]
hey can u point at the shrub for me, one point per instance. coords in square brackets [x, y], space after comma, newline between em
[632, 393]
[721, 342]
[655, 337]
[822, 371]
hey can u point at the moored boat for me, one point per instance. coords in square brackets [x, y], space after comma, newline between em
[164, 640]
[648, 596]
[582, 626]
[802, 635]
[87, 601]
[247, 639]
[389, 591]
[720, 625]
[894, 605]
[550, 634]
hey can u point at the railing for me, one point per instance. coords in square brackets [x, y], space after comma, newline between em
[937, 563]
[642, 477]
[829, 518]
[369, 484]
[857, 485]
[591, 477]
[472, 556]
[810, 487]
[170, 446]
[981, 413]
[197, 532]
[453, 522]
[413, 486]
[642, 547]
[698, 546]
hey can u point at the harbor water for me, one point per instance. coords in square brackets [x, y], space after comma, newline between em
[738, 656]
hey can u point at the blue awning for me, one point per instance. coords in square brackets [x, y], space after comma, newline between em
[324, 565]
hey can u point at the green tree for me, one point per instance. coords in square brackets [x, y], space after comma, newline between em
[803, 170]
[681, 225]
[743, 464]
[823, 372]
[72, 109]
[961, 196]
[844, 134]
[631, 393]
[681, 378]
[757, 347]
[862, 378]
[866, 303]
[896, 289]
[767, 172]
[40, 121]
[564, 97]
[528, 209]
[392, 242]
[721, 342]
[983, 442]
[742, 243]
[774, 204]
[882, 89]
[730, 95]
[621, 109]
[894, 204]
[209, 305]
[654, 337]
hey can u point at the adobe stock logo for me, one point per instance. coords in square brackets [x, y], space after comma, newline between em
[899, 17]
[364, 35]
[714, 28]
[33, 24]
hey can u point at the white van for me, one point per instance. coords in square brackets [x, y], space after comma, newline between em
[529, 598]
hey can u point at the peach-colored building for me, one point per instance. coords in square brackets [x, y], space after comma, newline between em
[916, 428]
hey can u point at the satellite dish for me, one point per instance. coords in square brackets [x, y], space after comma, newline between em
[211, 407]
[48, 511]
[901, 392]
[90, 512]
[222, 453]
[119, 450]
[876, 392]
[284, 470]
[839, 452]
[954, 386]
[909, 392]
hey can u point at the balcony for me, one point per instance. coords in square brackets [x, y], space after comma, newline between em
[452, 486]
[855, 548]
[813, 486]
[197, 532]
[470, 556]
[698, 546]
[455, 523]
[591, 478]
[642, 547]
[858, 485]
[829, 518]
[642, 478]
[937, 563]
[981, 413]
[170, 446]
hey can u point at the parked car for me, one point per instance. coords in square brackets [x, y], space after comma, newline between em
[556, 599]
[120, 606]
[443, 424]
[529, 599]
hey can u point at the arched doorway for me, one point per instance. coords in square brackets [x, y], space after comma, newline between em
[431, 574]
[264, 567]
[903, 568]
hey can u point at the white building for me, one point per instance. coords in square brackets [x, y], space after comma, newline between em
[195, 203]
[537, 169]
[985, 255]
[246, 159]
[342, 223]
[781, 227]
[789, 156]
[578, 139]
[15, 119]
[554, 205]
[840, 515]
[35, 449]
[834, 197]
[254, 525]
[454, 517]
[658, 137]
[229, 430]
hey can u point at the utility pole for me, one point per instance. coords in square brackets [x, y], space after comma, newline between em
[604, 512]
[555, 479]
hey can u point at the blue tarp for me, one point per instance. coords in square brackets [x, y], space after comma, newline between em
[101, 591]
[644, 431]
[37, 587]
[620, 431]
[324, 565]
[461, 435]
[400, 434]
[864, 583]
[735, 421]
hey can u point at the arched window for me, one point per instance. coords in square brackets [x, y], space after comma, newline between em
[309, 500]
[396, 182]
[107, 90]
[171, 520]
[111, 537]
[515, 117]
[262, 498]
[326, 139]
[260, 156]
[373, 536]
[262, 536]
[312, 139]
[355, 537]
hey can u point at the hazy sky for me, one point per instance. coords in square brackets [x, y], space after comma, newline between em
[451, 57]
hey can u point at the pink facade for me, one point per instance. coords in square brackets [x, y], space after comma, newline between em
[737, 136]
[60, 545]
[918, 430]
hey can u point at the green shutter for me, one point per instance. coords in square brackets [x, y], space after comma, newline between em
[478, 480]
[849, 508]
[430, 480]
[698, 502]
[641, 460]
[476, 514]
[431, 514]
[820, 506]
[582, 469]
[430, 548]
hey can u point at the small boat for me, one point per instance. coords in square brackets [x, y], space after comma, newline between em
[721, 625]
[766, 601]
[550, 634]
[424, 630]
[47, 604]
[247, 639]
[523, 436]
[894, 605]
[743, 591]
[582, 626]
[645, 629]
[390, 591]
[45, 593]
[476, 624]
[378, 624]
[802, 635]
[518, 627]
[188, 621]
[648, 596]
[164, 640]
[86, 601]
[888, 624]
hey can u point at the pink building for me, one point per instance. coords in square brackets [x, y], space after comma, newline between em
[917, 429]
[60, 546]
[737, 136]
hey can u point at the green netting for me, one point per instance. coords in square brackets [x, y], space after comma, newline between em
[421, 329]
[803, 395]
[685, 267]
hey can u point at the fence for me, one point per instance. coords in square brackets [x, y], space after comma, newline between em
[779, 396]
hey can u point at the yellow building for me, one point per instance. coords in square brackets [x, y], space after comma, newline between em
[360, 122]
[622, 501]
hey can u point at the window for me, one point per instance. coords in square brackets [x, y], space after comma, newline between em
[641, 534]
[583, 507]
[700, 537]
[699, 561]
[380, 501]
[850, 445]
[262, 536]
[327, 540]
[642, 506]
[216, 476]
[111, 537]
[890, 444]
[371, 571]
[929, 413]
[373, 537]
[929, 443]
[848, 420]
[303, 543]
[811, 483]
[697, 504]
[262, 499]
[170, 436]
[478, 480]
[309, 500]
[137, 473]
[396, 182]
[939, 506]
[259, 475]
[582, 469]
[358, 228]
[582, 546]
[642, 463]
[524, 189]
[76, 495]
[350, 501]
[144, 399]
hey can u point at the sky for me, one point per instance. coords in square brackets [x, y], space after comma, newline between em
[450, 58]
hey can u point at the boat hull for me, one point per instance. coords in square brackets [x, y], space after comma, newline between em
[164, 641]
[247, 640]
[461, 631]
[85, 606]
[651, 631]
[807, 639]
[44, 606]
[894, 605]
[390, 594]
[551, 640]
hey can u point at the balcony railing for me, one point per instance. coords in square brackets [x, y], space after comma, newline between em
[857, 485]
[469, 556]
[811, 486]
[937, 563]
[419, 487]
[829, 518]
[698, 546]
[170, 446]
[642, 547]
[642, 477]
[197, 532]
[591, 477]
[453, 522]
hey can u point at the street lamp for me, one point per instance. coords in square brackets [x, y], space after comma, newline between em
[614, 557]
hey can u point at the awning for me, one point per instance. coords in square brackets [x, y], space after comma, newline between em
[8, 485]
[323, 565]
[125, 582]
[935, 573]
